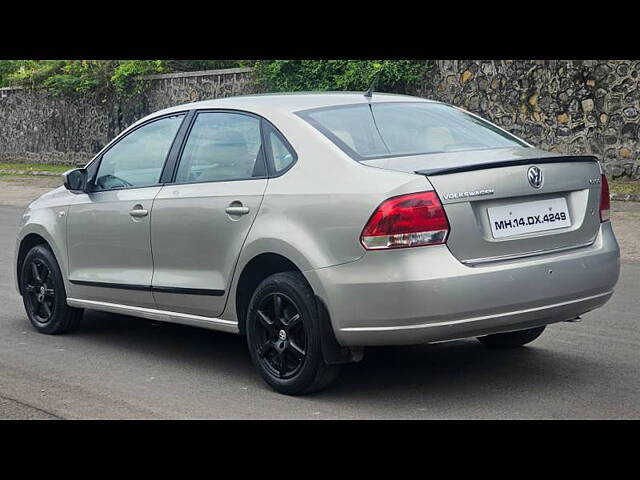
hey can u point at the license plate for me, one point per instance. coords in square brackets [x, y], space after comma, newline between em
[528, 217]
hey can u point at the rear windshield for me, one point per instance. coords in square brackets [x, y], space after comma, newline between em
[367, 131]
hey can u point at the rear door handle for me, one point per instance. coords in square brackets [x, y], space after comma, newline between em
[138, 211]
[237, 210]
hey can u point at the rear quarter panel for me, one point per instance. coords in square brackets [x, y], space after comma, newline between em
[314, 213]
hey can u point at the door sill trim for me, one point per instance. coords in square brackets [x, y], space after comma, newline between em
[159, 315]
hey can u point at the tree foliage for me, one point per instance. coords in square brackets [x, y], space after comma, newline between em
[100, 76]
[7, 67]
[402, 76]
[122, 77]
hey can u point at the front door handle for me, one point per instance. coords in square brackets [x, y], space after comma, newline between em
[138, 211]
[237, 210]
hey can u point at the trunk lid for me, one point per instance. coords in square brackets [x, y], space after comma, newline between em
[480, 189]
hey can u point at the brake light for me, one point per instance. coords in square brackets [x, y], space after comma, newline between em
[605, 203]
[406, 221]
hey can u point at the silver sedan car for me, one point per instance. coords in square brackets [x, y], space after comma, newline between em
[317, 224]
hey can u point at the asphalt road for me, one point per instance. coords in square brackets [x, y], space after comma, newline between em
[123, 367]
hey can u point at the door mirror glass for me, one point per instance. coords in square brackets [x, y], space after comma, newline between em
[75, 180]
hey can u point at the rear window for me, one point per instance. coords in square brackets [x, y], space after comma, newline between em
[368, 131]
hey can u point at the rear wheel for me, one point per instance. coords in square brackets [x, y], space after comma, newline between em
[283, 335]
[43, 293]
[511, 339]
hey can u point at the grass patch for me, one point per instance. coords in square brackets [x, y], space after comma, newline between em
[35, 167]
[12, 176]
[624, 187]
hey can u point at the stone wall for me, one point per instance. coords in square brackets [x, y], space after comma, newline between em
[566, 106]
[36, 126]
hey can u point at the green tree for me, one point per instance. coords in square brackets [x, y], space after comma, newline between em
[403, 76]
[63, 76]
[7, 67]
[125, 78]
[99, 76]
[195, 65]
[122, 77]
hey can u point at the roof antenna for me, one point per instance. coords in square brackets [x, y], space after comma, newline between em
[369, 93]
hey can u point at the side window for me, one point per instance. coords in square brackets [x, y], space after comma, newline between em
[280, 152]
[222, 146]
[138, 158]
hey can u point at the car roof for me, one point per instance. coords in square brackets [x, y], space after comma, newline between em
[289, 102]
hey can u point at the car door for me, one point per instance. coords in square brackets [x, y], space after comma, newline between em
[200, 221]
[108, 236]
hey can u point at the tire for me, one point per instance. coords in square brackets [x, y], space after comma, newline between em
[44, 295]
[511, 339]
[283, 336]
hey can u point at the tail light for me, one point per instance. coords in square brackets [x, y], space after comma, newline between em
[406, 221]
[605, 203]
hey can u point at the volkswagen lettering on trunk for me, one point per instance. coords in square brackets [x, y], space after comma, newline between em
[474, 193]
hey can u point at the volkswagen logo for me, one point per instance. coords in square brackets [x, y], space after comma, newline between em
[534, 174]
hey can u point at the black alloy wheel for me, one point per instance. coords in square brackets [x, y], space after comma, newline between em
[40, 292]
[44, 295]
[281, 336]
[283, 330]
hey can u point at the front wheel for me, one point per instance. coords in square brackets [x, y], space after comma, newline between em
[511, 339]
[283, 335]
[43, 293]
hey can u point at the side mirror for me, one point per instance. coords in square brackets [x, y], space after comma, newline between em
[75, 180]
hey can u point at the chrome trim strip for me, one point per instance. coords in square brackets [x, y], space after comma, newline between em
[515, 256]
[474, 319]
[160, 315]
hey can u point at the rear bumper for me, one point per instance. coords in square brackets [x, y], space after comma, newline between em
[424, 294]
